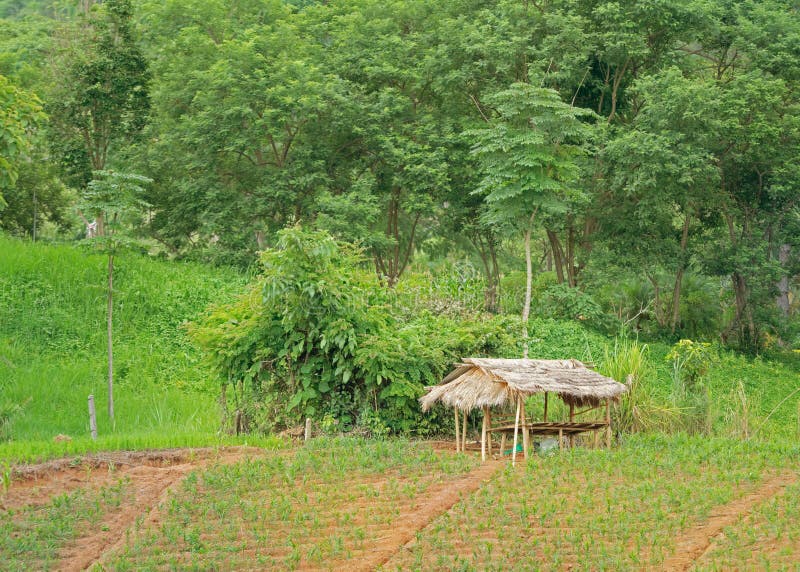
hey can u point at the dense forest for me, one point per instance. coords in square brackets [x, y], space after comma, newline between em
[632, 165]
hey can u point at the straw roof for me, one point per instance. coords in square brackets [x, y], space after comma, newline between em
[479, 382]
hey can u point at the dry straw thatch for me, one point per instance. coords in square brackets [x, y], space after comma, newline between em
[479, 382]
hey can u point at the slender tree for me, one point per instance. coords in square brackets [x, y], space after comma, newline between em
[529, 156]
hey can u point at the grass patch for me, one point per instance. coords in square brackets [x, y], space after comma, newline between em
[595, 510]
[31, 537]
[38, 451]
[320, 507]
[52, 343]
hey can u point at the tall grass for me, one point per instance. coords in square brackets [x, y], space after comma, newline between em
[641, 408]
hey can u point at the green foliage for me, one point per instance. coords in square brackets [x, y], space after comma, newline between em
[52, 327]
[691, 361]
[642, 408]
[98, 97]
[317, 335]
[529, 154]
[20, 114]
[559, 301]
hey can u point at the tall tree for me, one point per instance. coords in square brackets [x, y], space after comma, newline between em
[529, 156]
[117, 199]
[99, 99]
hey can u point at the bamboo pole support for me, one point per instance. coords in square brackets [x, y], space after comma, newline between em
[307, 434]
[545, 407]
[458, 436]
[464, 431]
[526, 436]
[484, 432]
[489, 433]
[560, 439]
[516, 432]
[502, 444]
[571, 420]
[608, 423]
[596, 439]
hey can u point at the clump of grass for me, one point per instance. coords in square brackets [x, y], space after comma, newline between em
[640, 409]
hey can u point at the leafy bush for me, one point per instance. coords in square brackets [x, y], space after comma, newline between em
[559, 301]
[317, 335]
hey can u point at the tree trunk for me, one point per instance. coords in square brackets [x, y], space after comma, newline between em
[744, 317]
[526, 309]
[109, 324]
[558, 255]
[488, 253]
[676, 292]
[657, 309]
[783, 284]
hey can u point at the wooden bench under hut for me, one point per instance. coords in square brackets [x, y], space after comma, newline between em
[484, 383]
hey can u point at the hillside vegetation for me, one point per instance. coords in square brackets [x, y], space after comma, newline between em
[52, 343]
[52, 356]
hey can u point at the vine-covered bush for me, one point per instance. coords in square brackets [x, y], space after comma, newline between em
[317, 336]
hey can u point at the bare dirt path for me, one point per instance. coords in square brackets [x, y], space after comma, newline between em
[37, 484]
[404, 533]
[696, 542]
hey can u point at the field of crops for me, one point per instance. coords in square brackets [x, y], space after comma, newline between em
[652, 503]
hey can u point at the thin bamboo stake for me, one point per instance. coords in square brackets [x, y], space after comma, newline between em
[458, 436]
[560, 439]
[608, 423]
[516, 431]
[483, 433]
[502, 444]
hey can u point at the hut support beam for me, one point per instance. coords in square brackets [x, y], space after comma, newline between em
[458, 436]
[484, 432]
[608, 423]
[516, 432]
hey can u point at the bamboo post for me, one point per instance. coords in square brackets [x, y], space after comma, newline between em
[516, 432]
[560, 439]
[596, 439]
[464, 431]
[526, 436]
[571, 419]
[489, 433]
[502, 444]
[608, 423]
[458, 435]
[545, 407]
[483, 432]
[308, 429]
[92, 418]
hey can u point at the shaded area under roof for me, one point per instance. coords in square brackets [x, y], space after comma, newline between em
[479, 382]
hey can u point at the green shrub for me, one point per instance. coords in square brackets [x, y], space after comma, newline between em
[317, 335]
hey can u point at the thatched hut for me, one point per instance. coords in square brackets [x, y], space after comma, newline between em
[484, 383]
